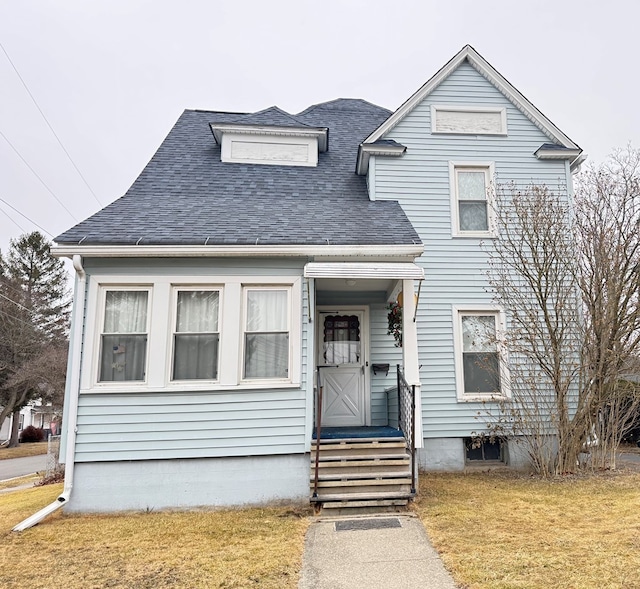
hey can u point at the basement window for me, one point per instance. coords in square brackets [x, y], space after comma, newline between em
[483, 450]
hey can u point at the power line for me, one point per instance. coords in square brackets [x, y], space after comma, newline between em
[49, 125]
[13, 221]
[15, 318]
[25, 216]
[26, 163]
[16, 303]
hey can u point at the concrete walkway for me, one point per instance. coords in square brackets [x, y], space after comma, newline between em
[381, 551]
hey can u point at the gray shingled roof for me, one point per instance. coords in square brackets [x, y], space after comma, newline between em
[270, 116]
[187, 196]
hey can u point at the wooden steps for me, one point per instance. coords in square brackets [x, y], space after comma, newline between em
[361, 473]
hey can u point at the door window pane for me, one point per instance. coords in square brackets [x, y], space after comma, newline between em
[341, 339]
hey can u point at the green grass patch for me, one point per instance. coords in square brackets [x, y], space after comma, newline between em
[223, 549]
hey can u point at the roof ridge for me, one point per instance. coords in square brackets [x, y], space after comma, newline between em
[361, 100]
[272, 109]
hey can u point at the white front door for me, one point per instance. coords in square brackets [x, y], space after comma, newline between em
[342, 362]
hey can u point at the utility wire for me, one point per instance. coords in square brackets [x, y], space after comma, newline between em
[26, 163]
[25, 216]
[13, 221]
[50, 127]
[15, 318]
[17, 304]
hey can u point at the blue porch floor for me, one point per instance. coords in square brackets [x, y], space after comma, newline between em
[337, 433]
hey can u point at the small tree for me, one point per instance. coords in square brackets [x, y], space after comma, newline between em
[569, 278]
[532, 276]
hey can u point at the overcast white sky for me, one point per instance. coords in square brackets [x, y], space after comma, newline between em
[112, 76]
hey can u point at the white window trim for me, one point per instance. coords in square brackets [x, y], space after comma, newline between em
[467, 108]
[311, 143]
[500, 316]
[174, 317]
[160, 331]
[245, 289]
[489, 169]
[99, 326]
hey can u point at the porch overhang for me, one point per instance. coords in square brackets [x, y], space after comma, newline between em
[364, 270]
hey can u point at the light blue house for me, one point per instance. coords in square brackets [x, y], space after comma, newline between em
[250, 268]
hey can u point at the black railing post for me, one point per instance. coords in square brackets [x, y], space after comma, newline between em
[318, 434]
[399, 379]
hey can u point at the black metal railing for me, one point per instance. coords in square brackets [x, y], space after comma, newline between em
[318, 390]
[407, 420]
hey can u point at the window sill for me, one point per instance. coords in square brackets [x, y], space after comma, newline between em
[196, 387]
[482, 398]
[474, 235]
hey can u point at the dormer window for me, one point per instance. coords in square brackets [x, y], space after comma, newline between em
[280, 145]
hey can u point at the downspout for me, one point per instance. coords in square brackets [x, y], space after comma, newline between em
[74, 391]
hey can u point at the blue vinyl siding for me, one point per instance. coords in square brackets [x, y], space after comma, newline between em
[454, 267]
[135, 425]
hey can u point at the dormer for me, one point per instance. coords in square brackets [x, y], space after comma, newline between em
[271, 137]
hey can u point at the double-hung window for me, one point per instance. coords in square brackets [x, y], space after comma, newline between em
[123, 340]
[196, 335]
[470, 204]
[481, 370]
[267, 351]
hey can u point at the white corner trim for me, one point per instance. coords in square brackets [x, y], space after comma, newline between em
[236, 251]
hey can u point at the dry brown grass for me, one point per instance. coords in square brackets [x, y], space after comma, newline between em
[19, 481]
[23, 450]
[502, 531]
[224, 549]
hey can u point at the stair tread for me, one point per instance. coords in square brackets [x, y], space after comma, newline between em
[365, 503]
[324, 441]
[363, 482]
[362, 475]
[322, 497]
[355, 456]
[348, 463]
[355, 446]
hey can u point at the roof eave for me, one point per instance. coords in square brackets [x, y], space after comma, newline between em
[366, 151]
[320, 133]
[409, 251]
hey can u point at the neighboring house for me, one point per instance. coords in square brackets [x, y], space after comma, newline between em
[35, 414]
[256, 251]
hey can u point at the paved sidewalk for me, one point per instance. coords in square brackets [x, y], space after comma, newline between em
[17, 467]
[341, 553]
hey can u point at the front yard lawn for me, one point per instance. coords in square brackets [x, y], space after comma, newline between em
[23, 450]
[231, 549]
[504, 530]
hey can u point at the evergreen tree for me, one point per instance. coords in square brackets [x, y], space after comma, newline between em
[34, 314]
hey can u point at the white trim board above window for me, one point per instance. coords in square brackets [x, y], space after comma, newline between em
[471, 199]
[468, 120]
[480, 360]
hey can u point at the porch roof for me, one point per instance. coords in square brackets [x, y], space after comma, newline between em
[361, 270]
